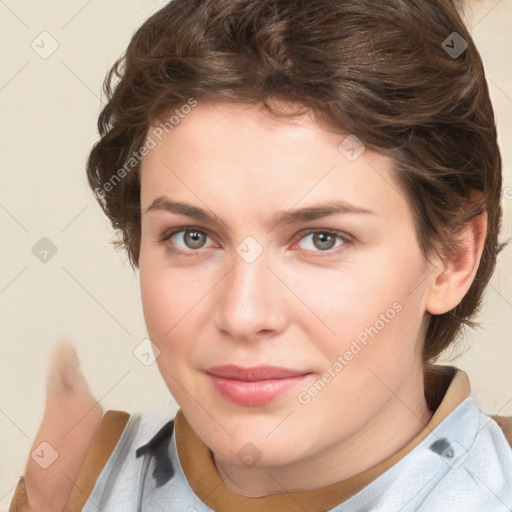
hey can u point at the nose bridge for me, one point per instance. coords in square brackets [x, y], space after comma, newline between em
[251, 299]
[248, 282]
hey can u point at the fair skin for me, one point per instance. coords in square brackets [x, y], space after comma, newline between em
[298, 305]
[71, 418]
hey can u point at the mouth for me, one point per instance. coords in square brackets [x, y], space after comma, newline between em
[253, 386]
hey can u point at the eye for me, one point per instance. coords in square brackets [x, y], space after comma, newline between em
[321, 240]
[192, 239]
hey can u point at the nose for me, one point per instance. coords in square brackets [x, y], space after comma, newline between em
[251, 301]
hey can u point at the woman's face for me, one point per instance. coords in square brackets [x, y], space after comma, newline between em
[290, 252]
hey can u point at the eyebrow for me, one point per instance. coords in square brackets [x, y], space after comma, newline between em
[308, 213]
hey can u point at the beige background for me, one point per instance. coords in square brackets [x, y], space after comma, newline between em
[87, 291]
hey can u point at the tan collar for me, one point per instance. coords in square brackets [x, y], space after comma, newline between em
[197, 462]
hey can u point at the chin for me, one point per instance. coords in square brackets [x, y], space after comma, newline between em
[254, 450]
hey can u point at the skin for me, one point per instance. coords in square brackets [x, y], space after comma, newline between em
[298, 305]
[71, 418]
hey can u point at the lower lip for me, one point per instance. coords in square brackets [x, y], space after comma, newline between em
[253, 393]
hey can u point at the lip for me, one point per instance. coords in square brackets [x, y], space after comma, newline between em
[253, 386]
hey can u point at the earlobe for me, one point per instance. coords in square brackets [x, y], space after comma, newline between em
[451, 281]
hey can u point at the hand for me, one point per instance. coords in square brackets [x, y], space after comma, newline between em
[70, 420]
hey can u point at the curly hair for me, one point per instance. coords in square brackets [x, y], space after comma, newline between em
[404, 76]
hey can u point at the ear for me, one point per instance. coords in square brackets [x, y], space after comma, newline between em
[453, 277]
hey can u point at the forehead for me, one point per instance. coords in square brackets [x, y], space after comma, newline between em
[239, 156]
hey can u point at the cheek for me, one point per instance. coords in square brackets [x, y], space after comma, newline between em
[165, 309]
[372, 315]
[154, 303]
[347, 302]
[174, 311]
[164, 302]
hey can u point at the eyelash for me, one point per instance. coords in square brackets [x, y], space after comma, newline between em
[192, 253]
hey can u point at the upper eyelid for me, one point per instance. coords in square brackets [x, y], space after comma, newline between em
[166, 234]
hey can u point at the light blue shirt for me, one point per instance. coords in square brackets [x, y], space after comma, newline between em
[464, 464]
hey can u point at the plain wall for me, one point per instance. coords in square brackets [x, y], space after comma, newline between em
[87, 291]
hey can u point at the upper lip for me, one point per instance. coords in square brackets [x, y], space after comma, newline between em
[253, 373]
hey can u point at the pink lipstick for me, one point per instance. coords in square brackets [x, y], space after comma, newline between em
[254, 386]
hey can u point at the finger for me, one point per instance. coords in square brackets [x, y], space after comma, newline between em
[70, 420]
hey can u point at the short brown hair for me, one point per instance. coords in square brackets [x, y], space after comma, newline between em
[382, 70]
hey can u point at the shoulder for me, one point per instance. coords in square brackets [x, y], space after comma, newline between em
[105, 441]
[113, 425]
[505, 423]
[478, 461]
[116, 480]
[464, 464]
